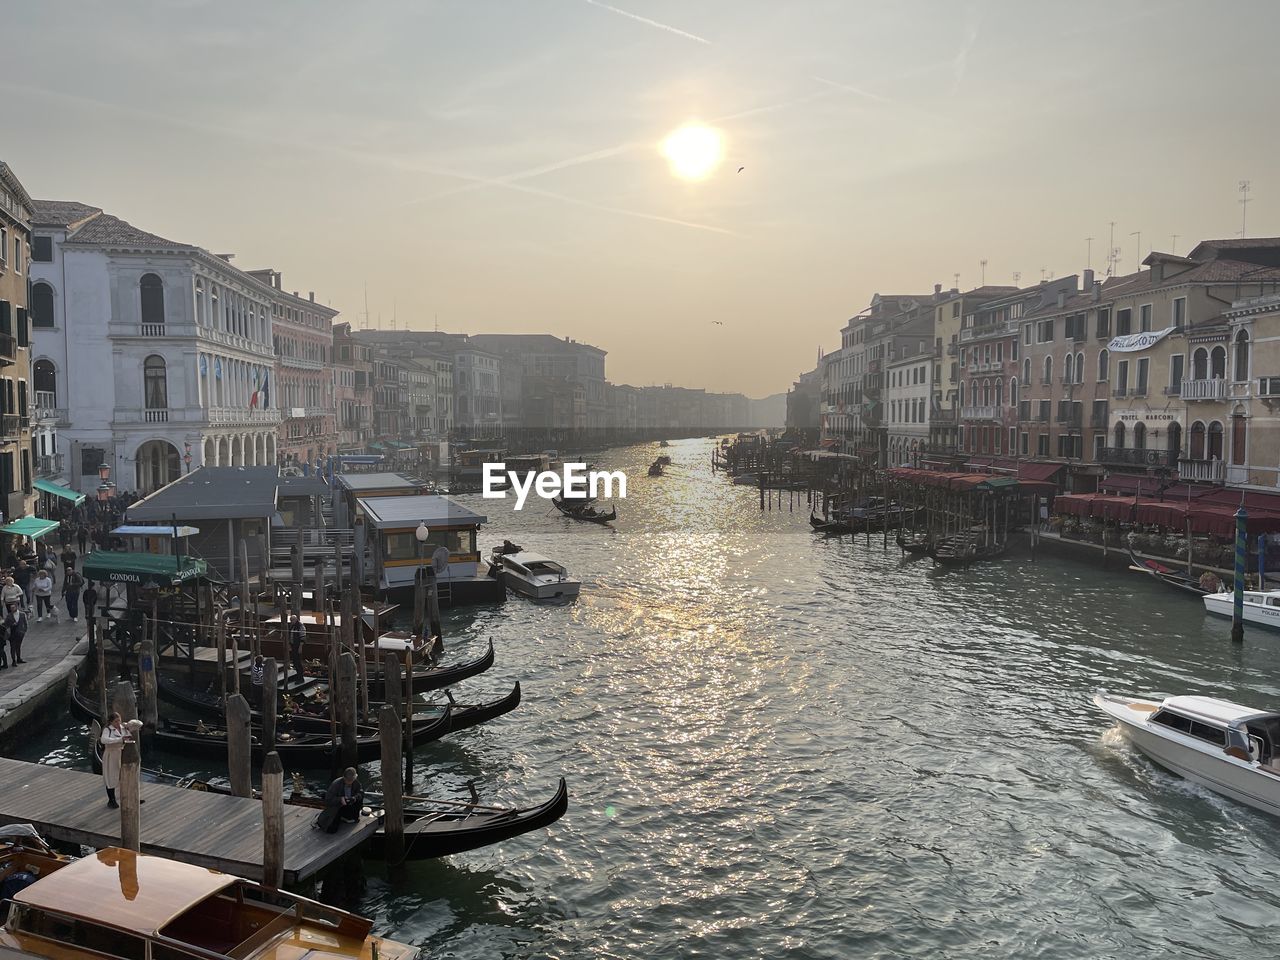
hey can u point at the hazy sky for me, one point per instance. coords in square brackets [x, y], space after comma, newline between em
[497, 165]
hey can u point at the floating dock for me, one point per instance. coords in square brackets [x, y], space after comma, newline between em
[193, 826]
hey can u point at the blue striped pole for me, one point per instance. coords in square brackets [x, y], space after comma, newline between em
[1262, 561]
[1237, 607]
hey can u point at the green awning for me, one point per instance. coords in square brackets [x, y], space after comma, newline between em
[58, 490]
[400, 445]
[144, 569]
[32, 527]
[376, 446]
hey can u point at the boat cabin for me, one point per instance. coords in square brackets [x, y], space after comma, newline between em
[468, 465]
[391, 525]
[354, 487]
[1252, 734]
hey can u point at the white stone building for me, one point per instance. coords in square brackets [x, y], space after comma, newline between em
[908, 388]
[154, 357]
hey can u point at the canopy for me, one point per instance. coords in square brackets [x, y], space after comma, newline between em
[1039, 471]
[143, 569]
[400, 444]
[58, 490]
[32, 527]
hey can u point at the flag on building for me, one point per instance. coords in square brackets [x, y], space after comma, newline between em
[217, 368]
[253, 397]
[264, 395]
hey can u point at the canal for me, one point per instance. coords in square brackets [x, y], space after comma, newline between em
[780, 745]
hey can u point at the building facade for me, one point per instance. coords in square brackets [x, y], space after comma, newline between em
[353, 390]
[19, 459]
[910, 385]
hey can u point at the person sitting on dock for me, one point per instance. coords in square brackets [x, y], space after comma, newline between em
[342, 802]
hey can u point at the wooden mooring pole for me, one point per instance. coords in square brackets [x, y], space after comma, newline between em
[147, 681]
[272, 821]
[346, 697]
[270, 693]
[123, 701]
[239, 746]
[392, 803]
[130, 795]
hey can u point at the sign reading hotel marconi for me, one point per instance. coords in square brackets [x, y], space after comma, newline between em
[1139, 341]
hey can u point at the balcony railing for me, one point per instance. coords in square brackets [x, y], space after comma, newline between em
[939, 449]
[1136, 458]
[242, 415]
[980, 413]
[1215, 389]
[152, 329]
[47, 410]
[989, 330]
[49, 465]
[156, 416]
[1211, 471]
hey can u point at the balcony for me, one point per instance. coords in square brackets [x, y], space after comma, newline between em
[1130, 457]
[299, 413]
[939, 449]
[1209, 471]
[301, 363]
[47, 411]
[953, 349]
[1215, 389]
[222, 415]
[990, 330]
[980, 413]
[49, 465]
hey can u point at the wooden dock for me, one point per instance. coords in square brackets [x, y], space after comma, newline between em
[193, 826]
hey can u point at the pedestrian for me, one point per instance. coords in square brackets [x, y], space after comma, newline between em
[4, 638]
[42, 555]
[256, 672]
[72, 584]
[82, 538]
[42, 587]
[22, 576]
[296, 636]
[114, 736]
[68, 557]
[64, 534]
[11, 593]
[342, 802]
[16, 624]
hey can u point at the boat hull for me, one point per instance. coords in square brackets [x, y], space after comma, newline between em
[549, 590]
[1221, 605]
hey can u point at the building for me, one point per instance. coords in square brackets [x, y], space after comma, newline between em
[560, 376]
[1253, 330]
[158, 354]
[353, 390]
[302, 333]
[17, 471]
[387, 405]
[891, 327]
[910, 385]
[803, 402]
[624, 410]
[477, 393]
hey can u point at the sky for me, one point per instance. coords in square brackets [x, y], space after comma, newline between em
[496, 165]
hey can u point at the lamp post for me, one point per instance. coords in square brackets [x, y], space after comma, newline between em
[420, 581]
[105, 486]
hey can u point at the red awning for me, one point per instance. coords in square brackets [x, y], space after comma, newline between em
[1266, 502]
[1112, 508]
[1039, 471]
[1073, 504]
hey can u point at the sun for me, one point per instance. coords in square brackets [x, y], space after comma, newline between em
[693, 151]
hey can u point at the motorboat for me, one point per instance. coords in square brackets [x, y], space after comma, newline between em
[746, 479]
[1260, 606]
[1228, 748]
[121, 903]
[535, 576]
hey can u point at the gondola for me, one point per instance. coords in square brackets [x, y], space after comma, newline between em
[584, 512]
[829, 526]
[464, 715]
[431, 828]
[958, 553]
[1179, 581]
[309, 743]
[436, 678]
[655, 469]
[916, 546]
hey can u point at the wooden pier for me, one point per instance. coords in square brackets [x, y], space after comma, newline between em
[206, 829]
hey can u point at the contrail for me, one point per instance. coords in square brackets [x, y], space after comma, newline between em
[652, 23]
[856, 91]
[532, 172]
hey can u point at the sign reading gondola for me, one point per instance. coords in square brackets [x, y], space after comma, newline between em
[1138, 341]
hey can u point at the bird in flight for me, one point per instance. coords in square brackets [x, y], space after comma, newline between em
[740, 169]
[718, 323]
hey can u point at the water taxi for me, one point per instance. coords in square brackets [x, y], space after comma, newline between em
[1260, 607]
[118, 903]
[1230, 749]
[534, 575]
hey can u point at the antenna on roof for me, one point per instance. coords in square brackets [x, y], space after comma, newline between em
[1173, 247]
[1113, 252]
[1017, 277]
[393, 314]
[364, 320]
[1244, 205]
[957, 280]
[1138, 234]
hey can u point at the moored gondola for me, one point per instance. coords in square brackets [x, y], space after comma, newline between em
[1182, 582]
[916, 544]
[834, 526]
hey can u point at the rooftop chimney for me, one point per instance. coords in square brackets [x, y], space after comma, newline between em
[311, 295]
[1097, 289]
[1088, 280]
[937, 291]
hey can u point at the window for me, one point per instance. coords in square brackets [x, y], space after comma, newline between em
[1197, 441]
[1200, 364]
[1013, 349]
[1104, 322]
[1215, 441]
[1042, 445]
[1026, 333]
[42, 249]
[152, 292]
[1175, 439]
[1026, 369]
[1013, 396]
[155, 383]
[1045, 331]
[1242, 356]
[17, 254]
[1069, 369]
[1173, 720]
[1144, 314]
[1175, 375]
[1239, 438]
[1117, 438]
[1139, 436]
[4, 244]
[1218, 363]
[1048, 370]
[955, 309]
[1179, 312]
[1025, 444]
[45, 381]
[1123, 322]
[1122, 378]
[1104, 372]
[1144, 364]
[41, 305]
[1099, 442]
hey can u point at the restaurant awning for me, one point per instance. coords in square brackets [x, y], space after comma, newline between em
[33, 527]
[58, 490]
[143, 569]
[1039, 471]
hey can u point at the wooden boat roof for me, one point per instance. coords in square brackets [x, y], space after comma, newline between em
[124, 889]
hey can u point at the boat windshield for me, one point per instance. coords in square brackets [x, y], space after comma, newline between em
[242, 918]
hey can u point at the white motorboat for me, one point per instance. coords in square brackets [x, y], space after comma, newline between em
[1260, 607]
[1228, 748]
[536, 576]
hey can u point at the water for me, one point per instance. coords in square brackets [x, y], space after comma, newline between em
[780, 745]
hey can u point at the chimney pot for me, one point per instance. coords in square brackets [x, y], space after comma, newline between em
[311, 295]
[1097, 289]
[1088, 280]
[937, 290]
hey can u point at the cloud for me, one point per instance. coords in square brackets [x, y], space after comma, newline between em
[652, 23]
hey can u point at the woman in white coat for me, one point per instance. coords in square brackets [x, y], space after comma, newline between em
[114, 736]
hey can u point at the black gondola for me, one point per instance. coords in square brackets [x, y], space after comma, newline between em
[917, 544]
[464, 715]
[1179, 581]
[829, 526]
[584, 511]
[431, 828]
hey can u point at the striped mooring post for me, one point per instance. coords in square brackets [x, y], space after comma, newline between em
[1237, 607]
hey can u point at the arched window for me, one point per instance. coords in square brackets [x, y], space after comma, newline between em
[213, 306]
[41, 305]
[152, 299]
[1079, 368]
[1104, 365]
[1069, 369]
[1026, 370]
[157, 465]
[1197, 441]
[986, 393]
[1117, 439]
[999, 393]
[1218, 364]
[1239, 433]
[1139, 436]
[1215, 441]
[1200, 364]
[1242, 357]
[155, 383]
[1013, 391]
[1175, 440]
[1048, 369]
[45, 381]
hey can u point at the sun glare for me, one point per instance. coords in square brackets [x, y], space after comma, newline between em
[693, 151]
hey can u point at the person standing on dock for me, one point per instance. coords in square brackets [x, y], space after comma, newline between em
[22, 577]
[68, 557]
[72, 584]
[12, 593]
[82, 538]
[296, 635]
[42, 587]
[15, 623]
[114, 736]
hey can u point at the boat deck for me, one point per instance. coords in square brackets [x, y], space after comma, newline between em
[206, 829]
